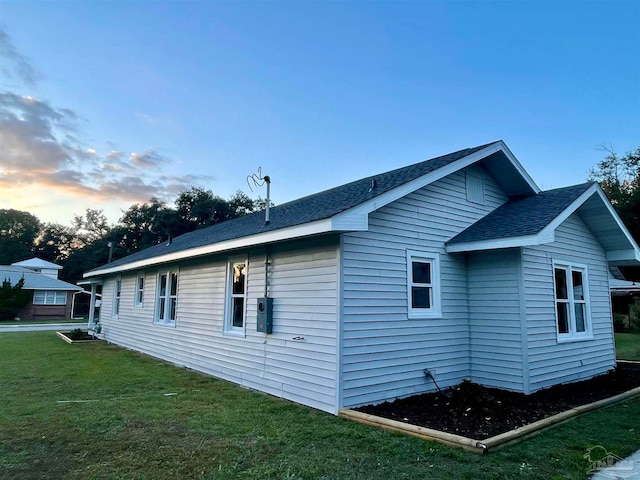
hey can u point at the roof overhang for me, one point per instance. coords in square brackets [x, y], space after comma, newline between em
[595, 210]
[298, 231]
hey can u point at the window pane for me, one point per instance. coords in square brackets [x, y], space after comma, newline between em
[578, 288]
[563, 317]
[421, 272]
[561, 283]
[140, 283]
[161, 309]
[580, 317]
[174, 284]
[38, 297]
[420, 297]
[238, 278]
[172, 312]
[238, 312]
[163, 285]
[61, 298]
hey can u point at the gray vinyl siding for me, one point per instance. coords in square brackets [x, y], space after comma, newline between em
[551, 362]
[384, 353]
[296, 362]
[495, 319]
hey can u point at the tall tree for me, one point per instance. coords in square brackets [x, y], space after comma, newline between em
[91, 226]
[54, 242]
[17, 232]
[619, 177]
[144, 225]
[198, 208]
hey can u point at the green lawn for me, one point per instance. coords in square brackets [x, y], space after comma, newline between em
[95, 411]
[628, 346]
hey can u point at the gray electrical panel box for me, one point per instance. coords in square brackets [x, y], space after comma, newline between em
[265, 315]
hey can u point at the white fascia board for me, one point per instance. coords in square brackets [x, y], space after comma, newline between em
[494, 244]
[304, 230]
[623, 256]
[352, 216]
[578, 202]
[618, 220]
[567, 212]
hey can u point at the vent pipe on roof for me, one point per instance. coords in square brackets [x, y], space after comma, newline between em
[267, 180]
[374, 184]
[258, 180]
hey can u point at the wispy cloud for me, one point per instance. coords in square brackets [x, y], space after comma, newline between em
[42, 145]
[17, 65]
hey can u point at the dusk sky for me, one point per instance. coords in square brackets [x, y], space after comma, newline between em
[104, 104]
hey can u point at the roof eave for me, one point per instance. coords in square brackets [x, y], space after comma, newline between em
[290, 233]
[495, 244]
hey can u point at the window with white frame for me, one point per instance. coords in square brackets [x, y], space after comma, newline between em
[236, 296]
[572, 301]
[167, 297]
[139, 298]
[117, 289]
[423, 284]
[49, 297]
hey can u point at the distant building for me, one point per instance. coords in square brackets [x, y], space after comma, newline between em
[51, 298]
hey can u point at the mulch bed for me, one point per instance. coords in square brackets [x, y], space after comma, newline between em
[478, 412]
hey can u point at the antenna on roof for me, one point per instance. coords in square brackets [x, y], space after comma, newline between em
[258, 180]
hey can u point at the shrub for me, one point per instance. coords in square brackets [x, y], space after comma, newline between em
[76, 334]
[12, 299]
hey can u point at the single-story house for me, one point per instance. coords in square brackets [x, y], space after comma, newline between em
[458, 266]
[51, 297]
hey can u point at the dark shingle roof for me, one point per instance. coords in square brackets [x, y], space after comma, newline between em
[522, 217]
[311, 208]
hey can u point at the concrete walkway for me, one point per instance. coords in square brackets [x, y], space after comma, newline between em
[42, 327]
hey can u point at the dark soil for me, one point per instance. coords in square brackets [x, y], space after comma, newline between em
[78, 336]
[474, 411]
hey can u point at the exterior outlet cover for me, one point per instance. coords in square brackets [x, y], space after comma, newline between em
[265, 315]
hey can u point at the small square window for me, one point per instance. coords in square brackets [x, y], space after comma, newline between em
[423, 284]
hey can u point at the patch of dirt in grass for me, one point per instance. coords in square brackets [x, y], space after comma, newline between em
[478, 412]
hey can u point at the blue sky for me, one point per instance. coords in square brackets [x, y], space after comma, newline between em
[107, 103]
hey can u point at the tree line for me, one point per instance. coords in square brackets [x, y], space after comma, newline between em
[85, 243]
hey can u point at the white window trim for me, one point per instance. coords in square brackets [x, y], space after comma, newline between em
[572, 335]
[229, 329]
[56, 294]
[436, 308]
[136, 302]
[117, 297]
[167, 306]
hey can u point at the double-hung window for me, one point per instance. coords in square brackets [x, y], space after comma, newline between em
[423, 284]
[167, 297]
[571, 301]
[139, 298]
[117, 289]
[236, 301]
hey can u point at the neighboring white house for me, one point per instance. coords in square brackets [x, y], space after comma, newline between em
[458, 264]
[51, 297]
